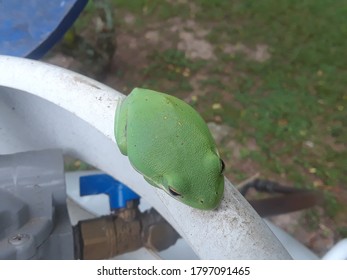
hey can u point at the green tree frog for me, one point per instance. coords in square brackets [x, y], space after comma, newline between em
[169, 143]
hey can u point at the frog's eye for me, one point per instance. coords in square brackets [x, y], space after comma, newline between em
[222, 166]
[173, 192]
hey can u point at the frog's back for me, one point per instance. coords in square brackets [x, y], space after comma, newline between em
[164, 126]
[153, 113]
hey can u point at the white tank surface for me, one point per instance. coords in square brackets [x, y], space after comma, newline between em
[44, 106]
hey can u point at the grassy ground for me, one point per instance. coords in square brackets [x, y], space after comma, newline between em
[273, 73]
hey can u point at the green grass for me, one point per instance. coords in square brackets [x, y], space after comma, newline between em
[301, 96]
[156, 9]
[343, 232]
[170, 71]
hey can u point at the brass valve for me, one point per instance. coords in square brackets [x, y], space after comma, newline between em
[124, 231]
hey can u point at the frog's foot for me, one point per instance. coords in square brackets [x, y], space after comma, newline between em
[151, 182]
[120, 126]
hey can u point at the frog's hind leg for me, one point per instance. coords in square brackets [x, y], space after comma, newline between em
[151, 182]
[120, 125]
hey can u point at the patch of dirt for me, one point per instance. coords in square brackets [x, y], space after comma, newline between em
[134, 47]
[319, 238]
[221, 132]
[231, 151]
[192, 39]
[64, 61]
[129, 18]
[152, 36]
[131, 55]
[194, 47]
[261, 52]
[197, 90]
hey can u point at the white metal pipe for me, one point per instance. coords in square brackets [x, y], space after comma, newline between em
[44, 106]
[338, 252]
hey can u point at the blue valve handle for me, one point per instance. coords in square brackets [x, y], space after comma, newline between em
[118, 193]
